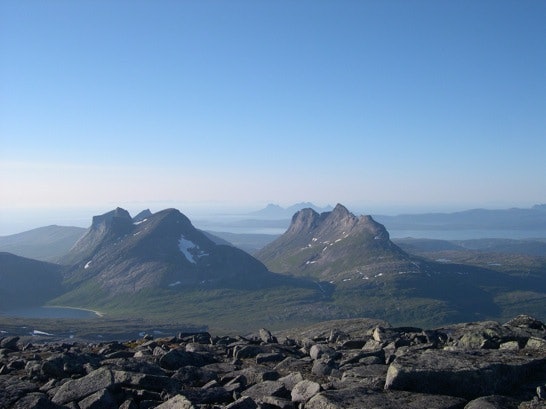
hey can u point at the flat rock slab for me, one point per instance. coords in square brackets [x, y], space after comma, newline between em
[358, 398]
[80, 388]
[468, 374]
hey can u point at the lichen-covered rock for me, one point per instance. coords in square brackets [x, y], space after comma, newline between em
[403, 367]
[468, 374]
[78, 389]
[359, 397]
[305, 390]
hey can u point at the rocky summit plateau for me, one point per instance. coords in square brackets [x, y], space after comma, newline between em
[345, 364]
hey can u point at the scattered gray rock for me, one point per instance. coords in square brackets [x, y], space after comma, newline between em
[368, 363]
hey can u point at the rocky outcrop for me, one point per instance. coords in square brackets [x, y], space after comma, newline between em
[340, 364]
[334, 246]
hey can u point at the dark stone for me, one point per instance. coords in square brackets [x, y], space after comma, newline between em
[359, 397]
[78, 389]
[12, 388]
[269, 357]
[10, 343]
[468, 374]
[176, 402]
[35, 401]
[266, 388]
[102, 399]
[244, 402]
[177, 358]
[493, 402]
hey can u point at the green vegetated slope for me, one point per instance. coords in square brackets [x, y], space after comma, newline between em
[326, 266]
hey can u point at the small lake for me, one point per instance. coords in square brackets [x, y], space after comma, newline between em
[50, 312]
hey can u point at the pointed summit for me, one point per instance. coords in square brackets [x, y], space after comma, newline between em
[143, 215]
[341, 211]
[332, 246]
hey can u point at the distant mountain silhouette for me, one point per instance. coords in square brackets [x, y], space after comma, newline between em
[47, 243]
[274, 211]
[516, 218]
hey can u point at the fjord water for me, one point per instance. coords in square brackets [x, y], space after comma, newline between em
[468, 234]
[50, 312]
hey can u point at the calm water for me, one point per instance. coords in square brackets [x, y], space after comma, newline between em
[49, 312]
[468, 234]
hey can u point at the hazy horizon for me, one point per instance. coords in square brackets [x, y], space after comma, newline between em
[13, 221]
[386, 107]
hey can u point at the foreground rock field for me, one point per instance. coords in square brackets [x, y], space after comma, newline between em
[358, 363]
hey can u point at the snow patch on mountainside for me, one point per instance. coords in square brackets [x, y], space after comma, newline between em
[190, 250]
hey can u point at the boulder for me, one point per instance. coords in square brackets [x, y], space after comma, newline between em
[359, 397]
[266, 388]
[492, 402]
[10, 343]
[176, 402]
[177, 358]
[35, 401]
[468, 374]
[267, 337]
[304, 390]
[102, 399]
[244, 402]
[77, 389]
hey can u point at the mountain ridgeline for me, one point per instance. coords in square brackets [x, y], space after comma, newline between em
[164, 249]
[327, 265]
[334, 246]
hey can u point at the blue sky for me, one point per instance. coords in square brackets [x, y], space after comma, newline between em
[380, 105]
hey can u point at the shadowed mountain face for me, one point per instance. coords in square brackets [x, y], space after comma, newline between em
[333, 245]
[105, 230]
[162, 250]
[25, 282]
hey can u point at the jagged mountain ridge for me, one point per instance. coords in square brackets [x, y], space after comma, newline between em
[333, 245]
[162, 250]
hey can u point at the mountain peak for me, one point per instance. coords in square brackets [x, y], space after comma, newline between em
[340, 212]
[143, 215]
[303, 220]
[333, 246]
[109, 217]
